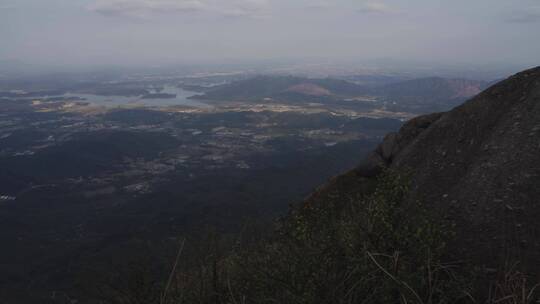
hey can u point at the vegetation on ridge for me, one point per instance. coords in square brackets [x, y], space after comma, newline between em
[377, 248]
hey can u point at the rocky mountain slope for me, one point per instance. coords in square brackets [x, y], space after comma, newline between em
[477, 166]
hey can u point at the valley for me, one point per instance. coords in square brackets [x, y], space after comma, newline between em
[112, 163]
[83, 174]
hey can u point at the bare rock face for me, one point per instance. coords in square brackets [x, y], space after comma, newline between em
[478, 166]
[393, 143]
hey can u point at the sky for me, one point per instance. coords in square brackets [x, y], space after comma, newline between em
[159, 32]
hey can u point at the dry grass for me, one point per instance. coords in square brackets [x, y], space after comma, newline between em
[513, 287]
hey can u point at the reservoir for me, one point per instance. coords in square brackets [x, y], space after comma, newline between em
[181, 99]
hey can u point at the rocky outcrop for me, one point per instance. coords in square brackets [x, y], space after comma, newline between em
[477, 166]
[393, 143]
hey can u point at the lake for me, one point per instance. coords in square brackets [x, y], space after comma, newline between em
[181, 99]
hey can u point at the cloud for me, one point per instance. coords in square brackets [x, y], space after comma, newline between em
[527, 14]
[149, 8]
[375, 7]
[524, 17]
[318, 5]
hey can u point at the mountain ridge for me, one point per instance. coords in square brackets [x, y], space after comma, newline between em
[422, 95]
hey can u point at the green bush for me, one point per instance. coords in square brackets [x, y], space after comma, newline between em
[379, 248]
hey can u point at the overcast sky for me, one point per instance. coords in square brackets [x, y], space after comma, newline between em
[144, 32]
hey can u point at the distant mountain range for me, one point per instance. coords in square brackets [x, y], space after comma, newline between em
[282, 87]
[433, 91]
[417, 95]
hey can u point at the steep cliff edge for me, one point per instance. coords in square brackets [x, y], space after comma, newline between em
[477, 165]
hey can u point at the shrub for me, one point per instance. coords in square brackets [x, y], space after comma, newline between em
[379, 248]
